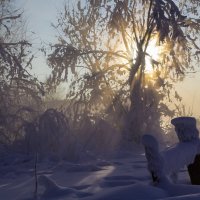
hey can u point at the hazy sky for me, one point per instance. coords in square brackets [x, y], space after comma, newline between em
[41, 13]
[189, 89]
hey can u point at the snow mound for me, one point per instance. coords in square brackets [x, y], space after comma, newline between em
[138, 192]
[52, 189]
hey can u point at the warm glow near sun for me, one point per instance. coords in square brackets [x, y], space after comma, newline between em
[153, 52]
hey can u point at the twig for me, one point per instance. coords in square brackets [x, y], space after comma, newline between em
[10, 17]
[35, 175]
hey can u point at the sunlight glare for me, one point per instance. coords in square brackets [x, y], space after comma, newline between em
[153, 53]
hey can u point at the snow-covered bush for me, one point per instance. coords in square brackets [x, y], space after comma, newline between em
[55, 137]
[168, 162]
[50, 135]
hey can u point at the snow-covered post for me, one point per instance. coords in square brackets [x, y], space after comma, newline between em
[154, 158]
[186, 131]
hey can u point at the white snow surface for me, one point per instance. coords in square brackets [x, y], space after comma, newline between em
[124, 177]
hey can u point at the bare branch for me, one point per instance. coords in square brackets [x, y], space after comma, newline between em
[24, 42]
[10, 17]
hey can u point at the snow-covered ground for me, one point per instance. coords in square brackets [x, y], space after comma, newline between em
[124, 177]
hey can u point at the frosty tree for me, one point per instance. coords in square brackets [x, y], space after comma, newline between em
[20, 92]
[123, 57]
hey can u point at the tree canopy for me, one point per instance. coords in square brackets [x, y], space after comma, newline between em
[104, 45]
[20, 92]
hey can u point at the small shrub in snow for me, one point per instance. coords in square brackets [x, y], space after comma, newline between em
[55, 137]
[50, 136]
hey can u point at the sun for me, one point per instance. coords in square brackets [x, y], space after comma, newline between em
[152, 53]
